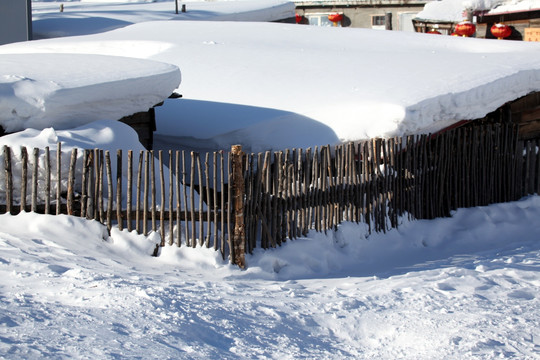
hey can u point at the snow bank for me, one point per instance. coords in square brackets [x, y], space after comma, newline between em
[464, 287]
[105, 135]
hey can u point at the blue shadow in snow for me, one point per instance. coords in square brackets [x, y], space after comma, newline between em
[214, 126]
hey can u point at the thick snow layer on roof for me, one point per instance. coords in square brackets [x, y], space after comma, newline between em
[81, 18]
[68, 90]
[512, 6]
[305, 84]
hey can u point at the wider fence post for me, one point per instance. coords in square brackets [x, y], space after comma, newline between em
[239, 234]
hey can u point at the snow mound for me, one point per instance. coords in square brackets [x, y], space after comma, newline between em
[68, 90]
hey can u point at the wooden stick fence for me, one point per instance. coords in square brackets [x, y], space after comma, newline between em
[235, 202]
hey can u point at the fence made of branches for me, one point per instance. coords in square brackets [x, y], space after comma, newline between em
[235, 202]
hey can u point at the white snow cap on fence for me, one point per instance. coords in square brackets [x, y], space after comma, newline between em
[68, 90]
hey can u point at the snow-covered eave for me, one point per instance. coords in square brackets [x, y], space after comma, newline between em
[434, 21]
[359, 3]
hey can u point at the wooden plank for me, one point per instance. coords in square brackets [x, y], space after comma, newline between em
[58, 177]
[171, 197]
[109, 189]
[192, 199]
[129, 195]
[178, 202]
[71, 181]
[306, 194]
[239, 236]
[223, 207]
[216, 205]
[139, 188]
[186, 207]
[201, 203]
[153, 190]
[145, 192]
[162, 199]
[35, 160]
[47, 164]
[119, 219]
[209, 199]
[84, 183]
[24, 177]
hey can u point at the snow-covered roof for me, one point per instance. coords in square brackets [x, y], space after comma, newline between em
[335, 84]
[68, 90]
[89, 17]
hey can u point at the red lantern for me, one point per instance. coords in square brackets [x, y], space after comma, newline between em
[298, 18]
[433, 31]
[465, 28]
[501, 31]
[335, 18]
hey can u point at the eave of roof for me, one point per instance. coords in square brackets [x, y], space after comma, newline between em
[483, 17]
[348, 3]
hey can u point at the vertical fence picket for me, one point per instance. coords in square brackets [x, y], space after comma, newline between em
[171, 197]
[193, 241]
[8, 178]
[58, 177]
[153, 198]
[223, 206]
[139, 191]
[35, 167]
[201, 193]
[24, 178]
[119, 220]
[162, 198]
[129, 193]
[145, 192]
[71, 182]
[109, 189]
[47, 165]
[208, 200]
[216, 204]
[178, 202]
[90, 202]
[184, 192]
[84, 184]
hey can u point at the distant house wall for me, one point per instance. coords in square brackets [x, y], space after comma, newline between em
[365, 14]
[15, 21]
[519, 21]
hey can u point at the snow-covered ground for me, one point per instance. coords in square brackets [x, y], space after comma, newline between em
[459, 288]
[466, 287]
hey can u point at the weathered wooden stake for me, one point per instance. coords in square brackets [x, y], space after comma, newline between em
[24, 177]
[239, 237]
[71, 181]
[35, 179]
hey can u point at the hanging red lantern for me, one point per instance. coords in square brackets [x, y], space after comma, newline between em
[465, 28]
[335, 18]
[501, 31]
[299, 18]
[433, 31]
